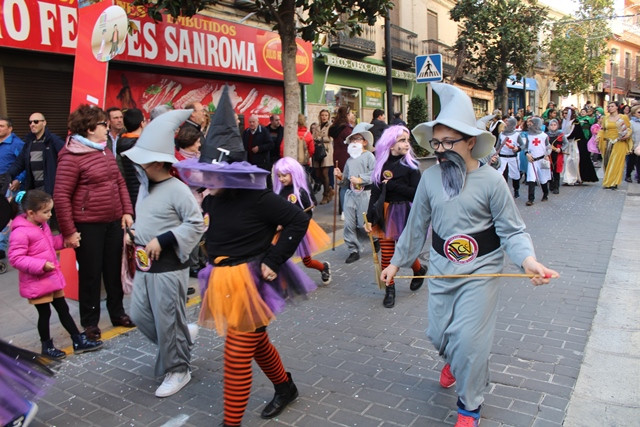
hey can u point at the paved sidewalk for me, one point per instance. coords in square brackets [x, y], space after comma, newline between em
[357, 363]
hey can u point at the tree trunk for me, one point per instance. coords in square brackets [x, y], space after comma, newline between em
[505, 96]
[291, 86]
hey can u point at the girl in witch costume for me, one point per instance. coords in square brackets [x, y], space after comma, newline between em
[290, 182]
[474, 218]
[395, 179]
[558, 147]
[248, 279]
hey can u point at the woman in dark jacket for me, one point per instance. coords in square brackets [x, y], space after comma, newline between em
[93, 203]
[339, 131]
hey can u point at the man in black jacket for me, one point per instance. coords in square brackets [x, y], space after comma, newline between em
[258, 144]
[379, 125]
[39, 157]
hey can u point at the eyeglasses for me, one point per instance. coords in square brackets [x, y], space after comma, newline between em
[102, 123]
[356, 138]
[35, 122]
[447, 144]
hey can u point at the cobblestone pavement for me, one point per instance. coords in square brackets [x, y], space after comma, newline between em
[359, 364]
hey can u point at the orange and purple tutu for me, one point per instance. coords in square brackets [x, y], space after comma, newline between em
[395, 220]
[235, 296]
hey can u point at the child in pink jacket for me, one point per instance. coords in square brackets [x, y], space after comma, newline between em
[32, 251]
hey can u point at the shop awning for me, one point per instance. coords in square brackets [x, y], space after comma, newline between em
[513, 83]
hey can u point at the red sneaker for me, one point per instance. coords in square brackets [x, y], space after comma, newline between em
[467, 420]
[447, 380]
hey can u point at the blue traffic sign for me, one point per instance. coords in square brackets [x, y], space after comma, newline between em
[429, 68]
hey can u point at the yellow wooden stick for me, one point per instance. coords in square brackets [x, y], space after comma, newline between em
[459, 276]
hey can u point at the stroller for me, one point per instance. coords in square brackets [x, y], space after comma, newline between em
[6, 212]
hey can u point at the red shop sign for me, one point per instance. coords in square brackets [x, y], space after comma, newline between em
[197, 43]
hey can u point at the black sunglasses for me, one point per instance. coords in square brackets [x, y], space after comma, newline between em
[35, 122]
[102, 123]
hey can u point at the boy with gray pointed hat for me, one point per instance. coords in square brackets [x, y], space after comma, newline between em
[474, 218]
[357, 178]
[168, 226]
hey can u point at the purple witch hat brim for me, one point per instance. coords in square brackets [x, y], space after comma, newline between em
[222, 175]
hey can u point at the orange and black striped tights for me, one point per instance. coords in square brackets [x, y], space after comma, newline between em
[312, 263]
[239, 349]
[387, 248]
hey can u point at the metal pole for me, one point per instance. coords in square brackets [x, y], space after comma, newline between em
[429, 101]
[389, 69]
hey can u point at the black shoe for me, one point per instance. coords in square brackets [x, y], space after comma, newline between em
[193, 272]
[3, 254]
[191, 290]
[376, 245]
[614, 187]
[353, 257]
[627, 179]
[325, 274]
[556, 191]
[516, 194]
[389, 296]
[92, 333]
[124, 321]
[49, 350]
[81, 344]
[286, 393]
[418, 281]
[545, 198]
[529, 203]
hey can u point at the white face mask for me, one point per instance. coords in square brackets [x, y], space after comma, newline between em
[354, 149]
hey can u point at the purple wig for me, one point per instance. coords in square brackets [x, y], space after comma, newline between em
[383, 148]
[288, 165]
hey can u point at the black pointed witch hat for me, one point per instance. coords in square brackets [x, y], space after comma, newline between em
[223, 141]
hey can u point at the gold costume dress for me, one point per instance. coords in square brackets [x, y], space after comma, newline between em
[615, 165]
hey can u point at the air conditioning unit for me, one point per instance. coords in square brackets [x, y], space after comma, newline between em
[600, 87]
[553, 85]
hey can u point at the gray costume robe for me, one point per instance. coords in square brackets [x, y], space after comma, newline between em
[462, 312]
[356, 199]
[158, 304]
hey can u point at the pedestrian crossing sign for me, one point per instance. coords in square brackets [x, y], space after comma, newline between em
[429, 68]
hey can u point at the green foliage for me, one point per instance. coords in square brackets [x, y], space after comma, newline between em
[308, 18]
[417, 114]
[499, 37]
[578, 50]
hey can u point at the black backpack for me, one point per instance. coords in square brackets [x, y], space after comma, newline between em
[320, 152]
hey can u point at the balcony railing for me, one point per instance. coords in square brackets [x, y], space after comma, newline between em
[403, 47]
[362, 45]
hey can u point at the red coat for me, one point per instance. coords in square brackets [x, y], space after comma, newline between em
[89, 187]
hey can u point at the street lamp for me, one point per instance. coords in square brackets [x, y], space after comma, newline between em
[613, 56]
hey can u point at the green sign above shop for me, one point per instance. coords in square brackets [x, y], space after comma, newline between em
[365, 67]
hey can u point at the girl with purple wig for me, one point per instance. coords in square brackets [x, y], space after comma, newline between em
[290, 181]
[395, 180]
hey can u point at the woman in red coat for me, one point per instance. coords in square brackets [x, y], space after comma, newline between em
[92, 202]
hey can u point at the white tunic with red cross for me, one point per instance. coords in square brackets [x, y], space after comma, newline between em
[538, 147]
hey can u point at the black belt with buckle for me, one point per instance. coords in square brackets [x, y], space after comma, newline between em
[538, 158]
[488, 241]
[507, 155]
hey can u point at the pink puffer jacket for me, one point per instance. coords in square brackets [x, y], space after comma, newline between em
[30, 247]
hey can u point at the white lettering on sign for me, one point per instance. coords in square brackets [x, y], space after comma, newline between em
[194, 48]
[47, 21]
[69, 21]
[16, 30]
[350, 64]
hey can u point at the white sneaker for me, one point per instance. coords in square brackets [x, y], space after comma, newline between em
[193, 331]
[342, 216]
[173, 383]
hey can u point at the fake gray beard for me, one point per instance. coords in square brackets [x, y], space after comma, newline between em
[453, 171]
